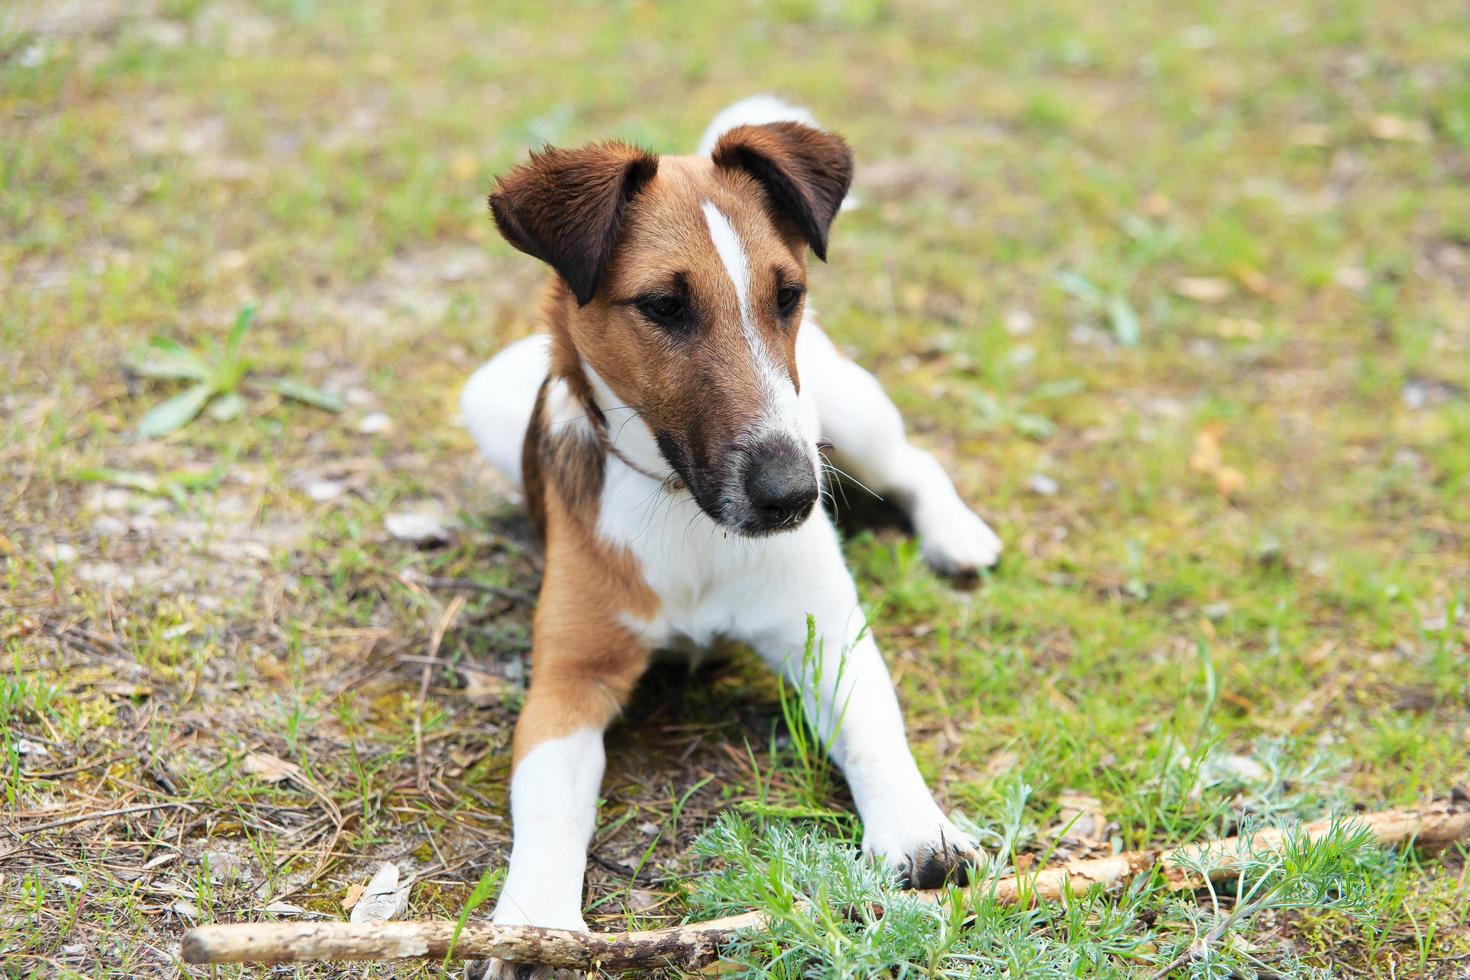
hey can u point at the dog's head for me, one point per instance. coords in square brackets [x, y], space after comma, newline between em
[685, 281]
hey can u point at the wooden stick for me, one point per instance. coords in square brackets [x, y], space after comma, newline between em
[697, 944]
[287, 942]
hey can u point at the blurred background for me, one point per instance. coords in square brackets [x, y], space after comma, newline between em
[1179, 292]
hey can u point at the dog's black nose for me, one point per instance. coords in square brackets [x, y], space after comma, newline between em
[781, 485]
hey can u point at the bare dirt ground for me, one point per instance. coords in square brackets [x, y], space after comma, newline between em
[1180, 294]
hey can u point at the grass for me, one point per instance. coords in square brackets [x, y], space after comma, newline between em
[1093, 240]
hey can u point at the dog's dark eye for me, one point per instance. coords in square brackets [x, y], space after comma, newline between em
[786, 299]
[662, 309]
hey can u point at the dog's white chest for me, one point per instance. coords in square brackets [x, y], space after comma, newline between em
[712, 584]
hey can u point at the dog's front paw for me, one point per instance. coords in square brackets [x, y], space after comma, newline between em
[514, 913]
[502, 970]
[926, 855]
[956, 541]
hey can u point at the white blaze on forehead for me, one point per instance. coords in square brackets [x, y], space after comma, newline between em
[779, 392]
[732, 254]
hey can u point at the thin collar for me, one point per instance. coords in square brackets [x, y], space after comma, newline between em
[672, 482]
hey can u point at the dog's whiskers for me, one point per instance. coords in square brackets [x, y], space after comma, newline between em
[828, 464]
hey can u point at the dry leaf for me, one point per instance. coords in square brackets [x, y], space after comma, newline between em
[1399, 130]
[1240, 329]
[1253, 280]
[1203, 289]
[1207, 456]
[123, 689]
[354, 892]
[1001, 763]
[463, 166]
[1311, 134]
[269, 768]
[1229, 481]
[1081, 817]
[641, 900]
[383, 898]
[159, 860]
[483, 689]
[1156, 205]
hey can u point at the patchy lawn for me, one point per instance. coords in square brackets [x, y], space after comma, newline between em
[1179, 291]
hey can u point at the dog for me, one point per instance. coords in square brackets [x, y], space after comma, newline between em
[666, 431]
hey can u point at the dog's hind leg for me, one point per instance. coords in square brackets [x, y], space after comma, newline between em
[869, 444]
[497, 402]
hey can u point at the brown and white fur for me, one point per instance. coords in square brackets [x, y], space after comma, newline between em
[665, 431]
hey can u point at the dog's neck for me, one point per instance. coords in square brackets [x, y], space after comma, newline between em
[625, 436]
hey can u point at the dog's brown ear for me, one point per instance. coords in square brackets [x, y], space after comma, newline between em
[565, 207]
[805, 171]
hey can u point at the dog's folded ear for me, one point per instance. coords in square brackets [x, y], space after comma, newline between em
[806, 172]
[565, 207]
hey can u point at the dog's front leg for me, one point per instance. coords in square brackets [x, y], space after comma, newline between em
[583, 669]
[849, 699]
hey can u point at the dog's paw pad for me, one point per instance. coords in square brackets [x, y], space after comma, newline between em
[960, 543]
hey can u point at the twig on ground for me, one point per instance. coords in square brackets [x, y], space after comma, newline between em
[436, 640]
[697, 944]
[102, 815]
[466, 585]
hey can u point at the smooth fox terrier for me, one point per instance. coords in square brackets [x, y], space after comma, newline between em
[666, 431]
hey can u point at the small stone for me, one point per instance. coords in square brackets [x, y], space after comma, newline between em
[168, 34]
[1203, 289]
[374, 423]
[324, 490]
[107, 526]
[1406, 458]
[1087, 335]
[1198, 37]
[105, 573]
[423, 528]
[1019, 322]
[24, 746]
[1245, 768]
[1044, 485]
[1216, 611]
[110, 498]
[1352, 277]
[59, 552]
